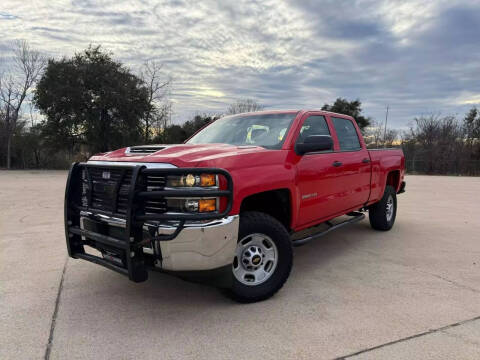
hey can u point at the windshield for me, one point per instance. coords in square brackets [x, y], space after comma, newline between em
[267, 130]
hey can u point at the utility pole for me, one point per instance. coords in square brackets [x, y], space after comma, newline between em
[385, 132]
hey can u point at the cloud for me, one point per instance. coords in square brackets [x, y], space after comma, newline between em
[413, 55]
[469, 100]
[6, 16]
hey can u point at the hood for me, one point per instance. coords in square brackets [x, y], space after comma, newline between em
[183, 155]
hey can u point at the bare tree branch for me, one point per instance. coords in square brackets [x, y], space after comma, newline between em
[243, 106]
[16, 85]
[158, 87]
[373, 134]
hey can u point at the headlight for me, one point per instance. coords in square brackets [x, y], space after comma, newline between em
[190, 180]
[192, 205]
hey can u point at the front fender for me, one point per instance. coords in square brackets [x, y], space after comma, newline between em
[255, 180]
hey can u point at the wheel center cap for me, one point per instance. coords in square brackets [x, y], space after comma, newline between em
[252, 257]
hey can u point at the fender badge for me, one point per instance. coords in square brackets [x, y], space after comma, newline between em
[308, 196]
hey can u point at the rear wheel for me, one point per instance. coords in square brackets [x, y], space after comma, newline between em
[263, 257]
[382, 214]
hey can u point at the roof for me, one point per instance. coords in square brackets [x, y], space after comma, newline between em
[292, 112]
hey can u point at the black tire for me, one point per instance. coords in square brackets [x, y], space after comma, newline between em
[253, 222]
[378, 213]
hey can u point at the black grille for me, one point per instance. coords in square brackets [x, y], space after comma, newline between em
[157, 206]
[123, 190]
[155, 183]
[108, 190]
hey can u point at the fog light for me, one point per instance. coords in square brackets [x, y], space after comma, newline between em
[207, 205]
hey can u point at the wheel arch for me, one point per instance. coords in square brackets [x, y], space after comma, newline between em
[276, 203]
[393, 179]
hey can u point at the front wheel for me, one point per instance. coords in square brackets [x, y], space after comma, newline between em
[263, 257]
[382, 214]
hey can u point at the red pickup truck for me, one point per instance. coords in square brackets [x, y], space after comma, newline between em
[230, 202]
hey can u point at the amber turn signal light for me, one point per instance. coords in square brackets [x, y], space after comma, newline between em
[208, 180]
[207, 205]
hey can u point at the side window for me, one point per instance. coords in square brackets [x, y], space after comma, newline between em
[314, 125]
[346, 133]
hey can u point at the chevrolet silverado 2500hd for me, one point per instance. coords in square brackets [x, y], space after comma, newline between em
[230, 202]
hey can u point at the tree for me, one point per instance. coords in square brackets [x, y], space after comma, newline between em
[15, 86]
[157, 85]
[199, 121]
[373, 134]
[436, 143]
[91, 99]
[471, 129]
[177, 134]
[352, 108]
[471, 125]
[390, 137]
[173, 134]
[243, 106]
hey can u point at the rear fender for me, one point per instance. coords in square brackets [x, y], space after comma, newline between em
[385, 171]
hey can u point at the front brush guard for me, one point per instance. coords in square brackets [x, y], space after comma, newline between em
[129, 246]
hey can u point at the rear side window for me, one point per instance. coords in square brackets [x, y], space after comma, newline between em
[346, 133]
[314, 125]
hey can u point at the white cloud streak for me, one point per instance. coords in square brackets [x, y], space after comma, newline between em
[285, 54]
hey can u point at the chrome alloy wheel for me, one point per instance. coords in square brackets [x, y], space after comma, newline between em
[255, 259]
[389, 210]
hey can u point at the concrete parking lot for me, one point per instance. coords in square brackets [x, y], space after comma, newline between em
[413, 292]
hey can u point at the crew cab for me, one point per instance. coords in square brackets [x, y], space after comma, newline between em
[231, 202]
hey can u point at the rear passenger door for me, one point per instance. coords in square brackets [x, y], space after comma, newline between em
[353, 163]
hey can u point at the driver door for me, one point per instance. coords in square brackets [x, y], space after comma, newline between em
[317, 177]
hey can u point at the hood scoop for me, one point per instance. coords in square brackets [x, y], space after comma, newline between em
[143, 149]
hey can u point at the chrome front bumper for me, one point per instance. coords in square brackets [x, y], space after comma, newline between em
[199, 246]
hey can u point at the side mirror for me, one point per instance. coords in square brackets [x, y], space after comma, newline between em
[314, 143]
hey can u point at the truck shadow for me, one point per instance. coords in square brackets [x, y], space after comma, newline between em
[321, 252]
[319, 260]
[310, 260]
[320, 268]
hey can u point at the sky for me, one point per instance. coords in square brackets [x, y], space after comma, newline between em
[417, 57]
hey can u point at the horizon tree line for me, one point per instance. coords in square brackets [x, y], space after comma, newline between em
[93, 103]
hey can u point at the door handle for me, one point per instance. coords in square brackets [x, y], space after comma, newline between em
[337, 163]
[365, 161]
